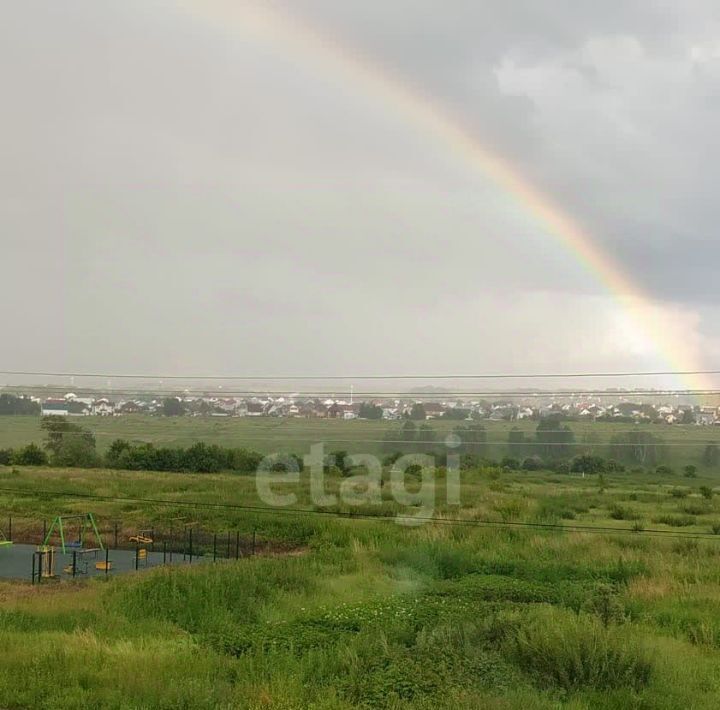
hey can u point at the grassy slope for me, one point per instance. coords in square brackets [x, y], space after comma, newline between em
[377, 615]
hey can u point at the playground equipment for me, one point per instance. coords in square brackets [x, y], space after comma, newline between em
[46, 561]
[4, 542]
[81, 561]
[85, 526]
[143, 537]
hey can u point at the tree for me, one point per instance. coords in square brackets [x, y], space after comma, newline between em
[587, 463]
[532, 463]
[687, 417]
[69, 444]
[517, 443]
[711, 455]
[6, 457]
[77, 451]
[117, 451]
[635, 447]
[173, 407]
[408, 432]
[554, 439]
[418, 413]
[706, 492]
[690, 471]
[456, 413]
[426, 438]
[473, 438]
[30, 455]
[10, 404]
[368, 410]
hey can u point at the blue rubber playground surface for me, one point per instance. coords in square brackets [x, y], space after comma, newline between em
[16, 562]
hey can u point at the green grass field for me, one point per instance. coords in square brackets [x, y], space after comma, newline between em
[682, 444]
[372, 614]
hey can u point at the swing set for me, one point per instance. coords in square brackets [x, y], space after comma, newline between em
[4, 542]
[83, 525]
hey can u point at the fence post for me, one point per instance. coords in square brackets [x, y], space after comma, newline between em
[33, 568]
[107, 561]
[237, 544]
[10, 528]
[190, 536]
[137, 555]
[74, 563]
[253, 547]
[214, 547]
[164, 551]
[227, 553]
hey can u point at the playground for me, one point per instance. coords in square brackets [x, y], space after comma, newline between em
[16, 562]
[76, 547]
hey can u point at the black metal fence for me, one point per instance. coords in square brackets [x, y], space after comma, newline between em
[114, 547]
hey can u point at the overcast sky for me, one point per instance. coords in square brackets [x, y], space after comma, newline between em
[180, 197]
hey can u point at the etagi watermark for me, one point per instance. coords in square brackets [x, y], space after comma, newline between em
[414, 481]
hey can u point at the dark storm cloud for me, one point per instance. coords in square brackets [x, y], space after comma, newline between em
[632, 152]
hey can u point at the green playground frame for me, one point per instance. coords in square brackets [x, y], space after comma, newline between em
[86, 524]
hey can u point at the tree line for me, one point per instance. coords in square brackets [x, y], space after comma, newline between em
[551, 446]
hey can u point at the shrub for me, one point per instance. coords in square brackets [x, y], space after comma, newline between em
[706, 492]
[588, 463]
[6, 457]
[679, 493]
[618, 512]
[532, 463]
[690, 471]
[30, 455]
[579, 652]
[603, 602]
[675, 521]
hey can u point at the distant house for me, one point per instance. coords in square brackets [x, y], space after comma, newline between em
[54, 408]
[255, 409]
[705, 418]
[130, 407]
[103, 408]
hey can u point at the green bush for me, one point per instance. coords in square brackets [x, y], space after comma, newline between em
[675, 521]
[30, 455]
[573, 652]
[618, 512]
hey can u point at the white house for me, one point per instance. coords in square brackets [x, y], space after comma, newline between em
[54, 408]
[103, 408]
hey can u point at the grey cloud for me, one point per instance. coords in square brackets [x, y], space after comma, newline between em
[173, 197]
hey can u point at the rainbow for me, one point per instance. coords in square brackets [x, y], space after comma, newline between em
[289, 34]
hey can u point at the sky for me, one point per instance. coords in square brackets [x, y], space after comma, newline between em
[181, 194]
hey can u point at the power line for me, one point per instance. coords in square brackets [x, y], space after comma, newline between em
[387, 394]
[652, 532]
[452, 376]
[441, 441]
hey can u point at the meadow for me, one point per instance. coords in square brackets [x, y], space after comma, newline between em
[682, 444]
[483, 607]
